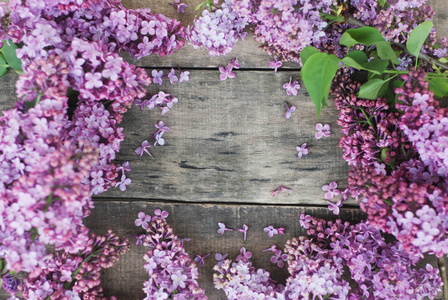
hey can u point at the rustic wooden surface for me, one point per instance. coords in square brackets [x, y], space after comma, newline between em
[228, 147]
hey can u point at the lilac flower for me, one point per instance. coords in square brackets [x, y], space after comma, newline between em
[335, 206]
[123, 183]
[222, 228]
[271, 230]
[220, 258]
[244, 230]
[162, 127]
[244, 255]
[179, 280]
[142, 220]
[139, 239]
[159, 139]
[331, 190]
[160, 214]
[279, 258]
[234, 64]
[200, 259]
[157, 77]
[380, 168]
[180, 7]
[292, 88]
[322, 131]
[93, 80]
[280, 189]
[273, 248]
[226, 73]
[302, 150]
[289, 110]
[184, 76]
[172, 76]
[142, 149]
[275, 65]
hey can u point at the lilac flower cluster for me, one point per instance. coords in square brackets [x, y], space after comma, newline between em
[318, 265]
[217, 30]
[171, 271]
[400, 193]
[381, 270]
[58, 142]
[285, 27]
[70, 276]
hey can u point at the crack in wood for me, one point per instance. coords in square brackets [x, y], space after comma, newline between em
[183, 164]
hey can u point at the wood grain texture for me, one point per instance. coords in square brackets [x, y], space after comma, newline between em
[199, 223]
[230, 142]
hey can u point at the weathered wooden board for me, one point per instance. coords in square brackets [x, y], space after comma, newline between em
[199, 223]
[247, 52]
[230, 142]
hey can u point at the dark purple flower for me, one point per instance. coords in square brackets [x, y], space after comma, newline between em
[200, 259]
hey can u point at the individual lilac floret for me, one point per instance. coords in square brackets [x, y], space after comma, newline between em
[302, 150]
[275, 65]
[220, 258]
[123, 183]
[222, 228]
[244, 255]
[279, 258]
[201, 259]
[172, 76]
[331, 190]
[142, 149]
[180, 6]
[289, 111]
[234, 63]
[334, 207]
[280, 189]
[142, 220]
[271, 230]
[322, 131]
[157, 77]
[184, 76]
[244, 230]
[226, 72]
[292, 88]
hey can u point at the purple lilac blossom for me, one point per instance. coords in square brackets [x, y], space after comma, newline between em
[171, 271]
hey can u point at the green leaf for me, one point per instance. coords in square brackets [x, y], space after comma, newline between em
[307, 52]
[364, 35]
[3, 66]
[200, 5]
[317, 74]
[385, 51]
[371, 89]
[376, 66]
[417, 37]
[356, 59]
[382, 2]
[439, 86]
[9, 51]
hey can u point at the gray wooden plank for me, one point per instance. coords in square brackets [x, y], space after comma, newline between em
[199, 223]
[230, 142]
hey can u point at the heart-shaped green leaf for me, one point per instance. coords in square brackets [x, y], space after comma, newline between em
[417, 37]
[9, 51]
[364, 35]
[317, 74]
